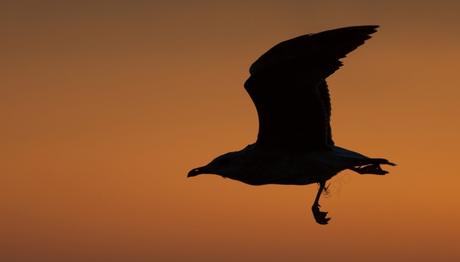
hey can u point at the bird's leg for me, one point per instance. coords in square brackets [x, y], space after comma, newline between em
[319, 216]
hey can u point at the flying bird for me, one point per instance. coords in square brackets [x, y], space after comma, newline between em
[294, 144]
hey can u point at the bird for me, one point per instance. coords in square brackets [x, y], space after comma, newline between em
[294, 145]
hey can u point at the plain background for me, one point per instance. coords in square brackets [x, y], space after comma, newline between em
[105, 106]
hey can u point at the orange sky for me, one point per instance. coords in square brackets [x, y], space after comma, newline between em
[105, 106]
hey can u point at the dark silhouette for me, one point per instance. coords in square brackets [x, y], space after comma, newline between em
[294, 145]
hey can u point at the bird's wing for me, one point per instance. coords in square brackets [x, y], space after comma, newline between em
[288, 87]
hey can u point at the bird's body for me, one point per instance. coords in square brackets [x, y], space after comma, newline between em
[294, 145]
[261, 167]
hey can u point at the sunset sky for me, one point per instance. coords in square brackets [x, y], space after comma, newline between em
[106, 105]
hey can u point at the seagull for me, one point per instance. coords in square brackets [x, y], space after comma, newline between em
[294, 145]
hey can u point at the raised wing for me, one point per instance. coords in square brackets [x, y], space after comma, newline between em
[288, 87]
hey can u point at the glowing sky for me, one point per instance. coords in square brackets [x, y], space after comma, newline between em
[105, 106]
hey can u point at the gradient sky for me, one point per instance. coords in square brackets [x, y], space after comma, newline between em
[105, 106]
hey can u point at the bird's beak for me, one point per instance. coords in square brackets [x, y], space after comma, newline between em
[195, 172]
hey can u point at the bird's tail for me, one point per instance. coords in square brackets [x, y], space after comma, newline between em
[372, 166]
[361, 163]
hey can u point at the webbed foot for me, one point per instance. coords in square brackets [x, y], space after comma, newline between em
[320, 216]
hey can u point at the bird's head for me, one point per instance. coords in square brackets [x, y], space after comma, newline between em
[222, 165]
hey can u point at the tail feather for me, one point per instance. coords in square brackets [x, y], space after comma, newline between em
[372, 166]
[361, 163]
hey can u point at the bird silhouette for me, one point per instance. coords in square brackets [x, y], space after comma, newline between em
[294, 144]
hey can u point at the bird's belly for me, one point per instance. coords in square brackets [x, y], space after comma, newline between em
[287, 170]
